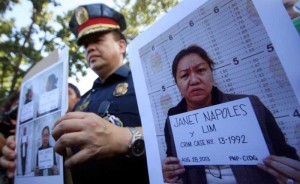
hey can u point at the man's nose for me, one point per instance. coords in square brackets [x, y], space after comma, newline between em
[90, 47]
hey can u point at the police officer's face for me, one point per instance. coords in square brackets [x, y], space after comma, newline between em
[195, 81]
[104, 53]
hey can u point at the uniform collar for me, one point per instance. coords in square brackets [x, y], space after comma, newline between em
[123, 72]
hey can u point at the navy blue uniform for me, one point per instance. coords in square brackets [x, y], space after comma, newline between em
[119, 169]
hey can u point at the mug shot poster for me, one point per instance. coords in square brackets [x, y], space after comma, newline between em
[54, 105]
[255, 53]
[45, 89]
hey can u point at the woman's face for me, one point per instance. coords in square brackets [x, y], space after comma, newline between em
[46, 135]
[73, 99]
[195, 81]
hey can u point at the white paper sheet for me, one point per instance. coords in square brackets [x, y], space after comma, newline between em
[232, 127]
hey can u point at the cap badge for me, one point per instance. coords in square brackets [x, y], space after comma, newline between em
[121, 89]
[81, 15]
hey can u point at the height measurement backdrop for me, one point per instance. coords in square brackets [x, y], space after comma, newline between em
[255, 53]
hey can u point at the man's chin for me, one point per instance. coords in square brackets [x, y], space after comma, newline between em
[96, 68]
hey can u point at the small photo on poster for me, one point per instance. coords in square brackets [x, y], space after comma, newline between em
[45, 161]
[49, 98]
[25, 145]
[27, 102]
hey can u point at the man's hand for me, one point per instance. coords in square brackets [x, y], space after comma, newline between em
[282, 168]
[172, 169]
[2, 141]
[9, 156]
[95, 136]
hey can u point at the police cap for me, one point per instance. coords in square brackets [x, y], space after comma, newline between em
[93, 18]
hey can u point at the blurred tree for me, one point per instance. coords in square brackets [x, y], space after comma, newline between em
[5, 4]
[21, 48]
[140, 14]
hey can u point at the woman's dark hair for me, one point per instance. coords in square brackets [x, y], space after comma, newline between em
[46, 127]
[191, 49]
[76, 90]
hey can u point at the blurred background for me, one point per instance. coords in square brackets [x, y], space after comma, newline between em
[31, 29]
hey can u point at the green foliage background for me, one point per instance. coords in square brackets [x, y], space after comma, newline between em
[21, 48]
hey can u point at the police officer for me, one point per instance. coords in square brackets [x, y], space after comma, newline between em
[104, 133]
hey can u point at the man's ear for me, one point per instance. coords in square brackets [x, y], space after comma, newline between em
[122, 45]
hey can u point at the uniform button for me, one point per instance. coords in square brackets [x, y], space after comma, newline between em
[93, 90]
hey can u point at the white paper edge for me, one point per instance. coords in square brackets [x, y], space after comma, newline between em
[64, 56]
[283, 42]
